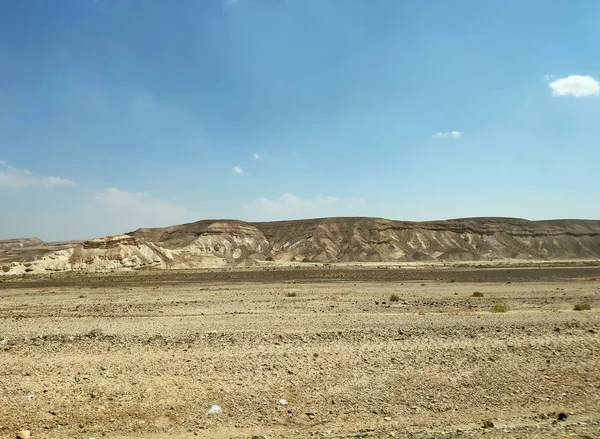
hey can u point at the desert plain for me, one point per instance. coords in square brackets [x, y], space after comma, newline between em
[312, 350]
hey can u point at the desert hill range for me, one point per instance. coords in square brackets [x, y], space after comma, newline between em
[222, 243]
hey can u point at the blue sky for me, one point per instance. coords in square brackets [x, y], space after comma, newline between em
[119, 114]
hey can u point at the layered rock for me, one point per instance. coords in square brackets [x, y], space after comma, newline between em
[217, 243]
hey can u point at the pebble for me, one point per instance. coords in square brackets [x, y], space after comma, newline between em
[24, 434]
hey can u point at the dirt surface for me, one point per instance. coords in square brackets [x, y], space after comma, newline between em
[309, 273]
[146, 355]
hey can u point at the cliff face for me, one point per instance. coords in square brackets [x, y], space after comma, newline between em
[374, 239]
[212, 243]
[377, 239]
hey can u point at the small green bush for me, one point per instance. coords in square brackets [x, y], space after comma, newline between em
[582, 307]
[477, 294]
[394, 298]
[499, 307]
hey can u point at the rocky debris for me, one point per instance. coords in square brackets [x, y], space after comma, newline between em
[111, 242]
[488, 424]
[24, 434]
[130, 361]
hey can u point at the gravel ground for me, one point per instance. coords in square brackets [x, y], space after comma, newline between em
[146, 355]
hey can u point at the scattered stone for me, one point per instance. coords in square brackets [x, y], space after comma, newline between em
[488, 424]
[562, 416]
[24, 434]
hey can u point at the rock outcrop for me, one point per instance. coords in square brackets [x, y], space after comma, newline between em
[217, 243]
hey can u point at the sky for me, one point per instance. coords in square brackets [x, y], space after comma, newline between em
[120, 114]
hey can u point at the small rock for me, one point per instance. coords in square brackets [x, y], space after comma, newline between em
[24, 434]
[488, 424]
[387, 418]
[215, 410]
[562, 416]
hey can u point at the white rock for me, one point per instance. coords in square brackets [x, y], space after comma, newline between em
[215, 410]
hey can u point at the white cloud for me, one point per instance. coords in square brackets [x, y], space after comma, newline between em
[257, 156]
[448, 134]
[575, 85]
[15, 178]
[290, 206]
[237, 170]
[124, 211]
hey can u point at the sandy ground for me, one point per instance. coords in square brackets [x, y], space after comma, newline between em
[146, 355]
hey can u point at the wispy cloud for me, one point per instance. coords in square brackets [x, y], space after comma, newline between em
[230, 2]
[549, 78]
[575, 85]
[447, 134]
[257, 156]
[138, 209]
[237, 170]
[16, 178]
[290, 206]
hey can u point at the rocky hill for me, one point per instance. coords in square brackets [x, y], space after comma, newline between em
[217, 243]
[12, 244]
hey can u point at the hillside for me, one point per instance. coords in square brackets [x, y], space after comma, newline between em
[218, 243]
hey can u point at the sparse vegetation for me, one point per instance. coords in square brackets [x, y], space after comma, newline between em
[499, 307]
[477, 294]
[94, 333]
[394, 298]
[582, 307]
[291, 294]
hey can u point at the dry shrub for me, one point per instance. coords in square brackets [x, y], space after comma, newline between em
[499, 307]
[582, 307]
